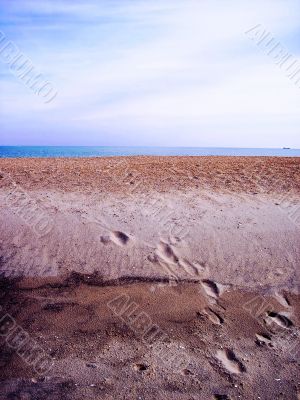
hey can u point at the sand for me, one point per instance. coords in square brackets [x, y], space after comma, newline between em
[151, 277]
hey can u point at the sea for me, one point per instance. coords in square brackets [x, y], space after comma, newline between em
[109, 151]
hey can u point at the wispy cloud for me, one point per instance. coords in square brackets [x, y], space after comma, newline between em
[142, 72]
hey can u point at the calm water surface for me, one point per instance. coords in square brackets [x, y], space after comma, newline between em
[105, 151]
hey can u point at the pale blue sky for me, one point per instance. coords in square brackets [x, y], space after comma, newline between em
[151, 72]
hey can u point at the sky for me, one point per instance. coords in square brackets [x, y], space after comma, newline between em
[151, 73]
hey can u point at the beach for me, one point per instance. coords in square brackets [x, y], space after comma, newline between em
[150, 277]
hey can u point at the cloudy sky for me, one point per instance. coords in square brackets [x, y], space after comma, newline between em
[151, 72]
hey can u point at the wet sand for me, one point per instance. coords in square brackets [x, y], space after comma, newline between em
[150, 277]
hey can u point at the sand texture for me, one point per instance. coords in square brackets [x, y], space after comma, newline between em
[151, 277]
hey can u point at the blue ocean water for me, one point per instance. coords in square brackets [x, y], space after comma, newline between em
[105, 151]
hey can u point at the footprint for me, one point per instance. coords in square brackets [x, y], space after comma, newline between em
[262, 338]
[211, 288]
[190, 268]
[214, 317]
[200, 266]
[166, 253]
[104, 239]
[119, 238]
[279, 319]
[282, 299]
[140, 367]
[230, 361]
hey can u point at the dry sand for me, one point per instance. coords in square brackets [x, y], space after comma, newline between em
[97, 254]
